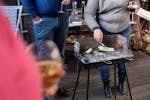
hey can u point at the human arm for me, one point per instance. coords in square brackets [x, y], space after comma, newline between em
[89, 15]
[140, 12]
[143, 13]
[30, 8]
[65, 2]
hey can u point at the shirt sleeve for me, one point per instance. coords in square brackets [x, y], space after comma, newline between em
[30, 7]
[90, 14]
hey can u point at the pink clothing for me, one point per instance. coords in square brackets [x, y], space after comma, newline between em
[19, 77]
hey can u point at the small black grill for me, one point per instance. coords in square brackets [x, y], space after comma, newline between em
[80, 46]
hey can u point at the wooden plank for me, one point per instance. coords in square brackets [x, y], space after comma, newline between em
[138, 71]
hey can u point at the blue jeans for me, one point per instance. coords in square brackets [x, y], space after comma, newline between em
[53, 28]
[104, 70]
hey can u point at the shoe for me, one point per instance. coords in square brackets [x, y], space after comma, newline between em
[122, 87]
[62, 92]
[107, 89]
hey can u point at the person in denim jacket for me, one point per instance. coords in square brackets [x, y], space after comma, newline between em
[48, 24]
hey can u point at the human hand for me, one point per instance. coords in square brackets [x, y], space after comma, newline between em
[37, 19]
[65, 2]
[133, 7]
[98, 35]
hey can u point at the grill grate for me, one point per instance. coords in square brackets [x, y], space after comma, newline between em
[98, 56]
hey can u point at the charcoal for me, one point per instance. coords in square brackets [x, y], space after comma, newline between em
[81, 45]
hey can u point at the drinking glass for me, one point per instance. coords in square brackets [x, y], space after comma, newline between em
[74, 14]
[61, 9]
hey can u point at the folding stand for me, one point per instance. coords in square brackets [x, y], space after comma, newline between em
[88, 67]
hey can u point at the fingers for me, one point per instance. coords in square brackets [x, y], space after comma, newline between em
[65, 2]
[98, 35]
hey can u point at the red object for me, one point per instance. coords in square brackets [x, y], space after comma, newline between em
[19, 76]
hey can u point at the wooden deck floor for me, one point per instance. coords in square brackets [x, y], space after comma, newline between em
[139, 77]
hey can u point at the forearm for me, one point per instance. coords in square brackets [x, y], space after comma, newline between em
[90, 21]
[90, 14]
[144, 14]
[29, 7]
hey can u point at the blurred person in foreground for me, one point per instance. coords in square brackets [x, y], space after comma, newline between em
[48, 24]
[50, 66]
[112, 18]
[20, 79]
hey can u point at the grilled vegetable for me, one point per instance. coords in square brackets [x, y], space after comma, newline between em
[104, 48]
[89, 50]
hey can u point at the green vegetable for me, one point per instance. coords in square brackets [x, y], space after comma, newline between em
[89, 50]
[145, 0]
[104, 48]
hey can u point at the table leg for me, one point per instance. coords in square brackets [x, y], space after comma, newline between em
[115, 86]
[88, 79]
[128, 83]
[76, 83]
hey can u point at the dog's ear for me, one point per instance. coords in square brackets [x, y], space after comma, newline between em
[45, 50]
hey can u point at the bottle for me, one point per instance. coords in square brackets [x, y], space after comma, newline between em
[83, 5]
[74, 7]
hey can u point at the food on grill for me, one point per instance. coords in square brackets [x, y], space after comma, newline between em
[113, 47]
[89, 50]
[111, 43]
[104, 48]
[118, 45]
[86, 44]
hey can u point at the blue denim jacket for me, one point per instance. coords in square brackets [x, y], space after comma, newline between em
[41, 7]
